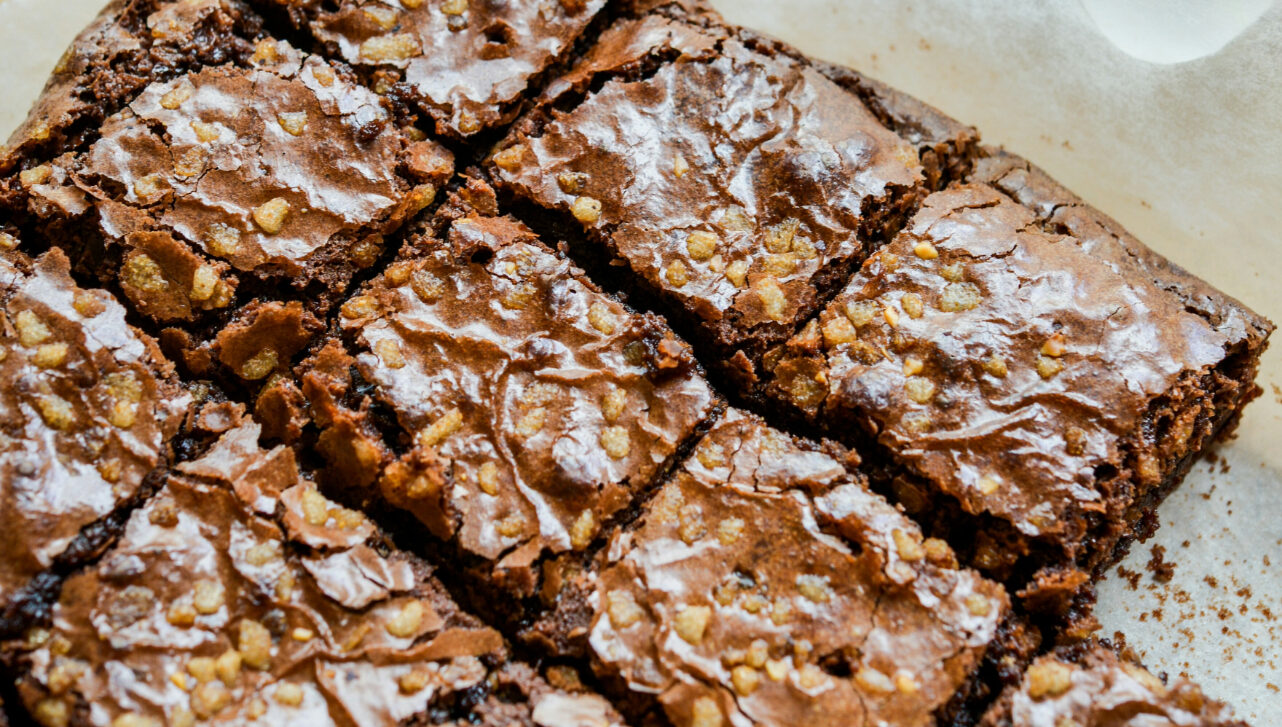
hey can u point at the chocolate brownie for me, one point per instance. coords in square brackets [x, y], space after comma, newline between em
[1040, 389]
[766, 585]
[469, 65]
[88, 410]
[281, 177]
[525, 409]
[738, 185]
[239, 593]
[130, 44]
[1092, 687]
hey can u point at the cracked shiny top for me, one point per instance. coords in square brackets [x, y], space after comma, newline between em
[767, 586]
[1097, 689]
[734, 179]
[287, 170]
[538, 407]
[210, 609]
[87, 408]
[466, 63]
[1010, 367]
[128, 44]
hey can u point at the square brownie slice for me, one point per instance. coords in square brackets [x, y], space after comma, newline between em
[765, 584]
[500, 398]
[89, 409]
[1039, 389]
[1090, 686]
[736, 184]
[239, 594]
[468, 65]
[235, 203]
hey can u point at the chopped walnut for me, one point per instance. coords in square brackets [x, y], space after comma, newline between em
[255, 645]
[953, 272]
[780, 611]
[572, 182]
[520, 296]
[414, 681]
[222, 240]
[777, 669]
[745, 680]
[586, 210]
[50, 355]
[204, 283]
[614, 404]
[616, 442]
[176, 97]
[260, 365]
[691, 622]
[31, 330]
[407, 622]
[730, 530]
[206, 133]
[737, 273]
[227, 666]
[271, 216]
[913, 366]
[705, 713]
[925, 250]
[1048, 368]
[488, 478]
[758, 653]
[510, 159]
[293, 122]
[996, 366]
[55, 713]
[912, 305]
[531, 423]
[736, 219]
[385, 17]
[390, 48]
[389, 352]
[449, 423]
[861, 312]
[779, 238]
[602, 318]
[701, 245]
[711, 455]
[773, 299]
[874, 681]
[208, 597]
[1048, 678]
[362, 306]
[908, 545]
[622, 609]
[677, 274]
[814, 588]
[209, 699]
[691, 527]
[959, 297]
[583, 530]
[426, 286]
[680, 167]
[978, 605]
[988, 485]
[919, 389]
[1055, 346]
[511, 527]
[56, 412]
[35, 175]
[289, 694]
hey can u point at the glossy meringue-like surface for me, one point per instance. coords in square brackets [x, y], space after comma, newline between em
[87, 408]
[1006, 365]
[731, 179]
[766, 585]
[467, 63]
[538, 407]
[208, 609]
[1097, 689]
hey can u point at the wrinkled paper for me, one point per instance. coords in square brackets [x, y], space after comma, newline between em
[1167, 114]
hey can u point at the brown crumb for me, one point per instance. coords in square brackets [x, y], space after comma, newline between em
[1163, 571]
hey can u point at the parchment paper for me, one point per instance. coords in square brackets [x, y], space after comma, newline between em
[1166, 114]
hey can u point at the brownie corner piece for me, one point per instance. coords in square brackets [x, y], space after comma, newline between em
[89, 408]
[469, 66]
[765, 584]
[241, 594]
[1090, 686]
[505, 402]
[1021, 378]
[737, 184]
[131, 43]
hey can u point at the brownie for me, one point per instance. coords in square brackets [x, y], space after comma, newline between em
[240, 593]
[738, 185]
[279, 178]
[1092, 687]
[1039, 389]
[504, 401]
[469, 66]
[765, 584]
[130, 44]
[88, 408]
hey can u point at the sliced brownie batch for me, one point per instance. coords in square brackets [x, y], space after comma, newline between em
[566, 363]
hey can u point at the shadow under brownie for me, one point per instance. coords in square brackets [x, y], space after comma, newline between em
[240, 594]
[1037, 391]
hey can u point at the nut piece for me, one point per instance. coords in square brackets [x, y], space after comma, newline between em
[56, 412]
[677, 274]
[745, 680]
[691, 622]
[601, 318]
[909, 547]
[260, 365]
[814, 588]
[222, 240]
[1049, 678]
[872, 680]
[622, 609]
[255, 645]
[289, 694]
[773, 300]
[996, 366]
[488, 478]
[701, 245]
[978, 605]
[925, 250]
[1048, 368]
[730, 530]
[390, 48]
[583, 530]
[449, 423]
[509, 159]
[407, 622]
[737, 273]
[294, 123]
[705, 713]
[414, 681]
[31, 330]
[271, 215]
[586, 210]
[208, 597]
[50, 355]
[616, 442]
[209, 699]
[919, 389]
[1055, 346]
[959, 297]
